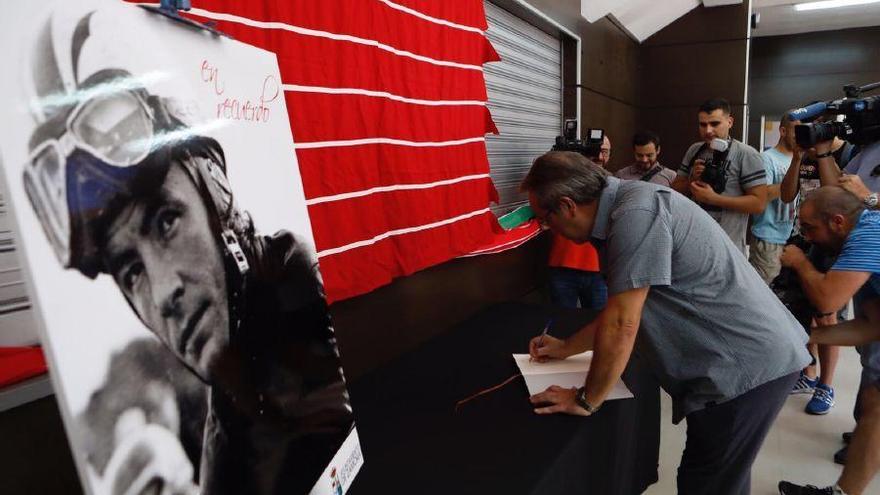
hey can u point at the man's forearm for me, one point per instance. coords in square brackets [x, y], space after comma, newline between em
[743, 204]
[850, 333]
[813, 283]
[682, 185]
[773, 192]
[789, 188]
[582, 340]
[613, 343]
[829, 172]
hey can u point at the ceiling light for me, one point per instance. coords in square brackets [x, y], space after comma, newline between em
[831, 4]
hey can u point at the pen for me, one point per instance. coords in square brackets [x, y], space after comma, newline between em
[544, 333]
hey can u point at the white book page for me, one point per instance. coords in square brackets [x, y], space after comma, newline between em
[569, 372]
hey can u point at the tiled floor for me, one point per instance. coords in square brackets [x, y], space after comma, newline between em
[799, 447]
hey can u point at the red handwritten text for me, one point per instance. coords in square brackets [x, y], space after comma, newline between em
[250, 110]
[211, 75]
[238, 108]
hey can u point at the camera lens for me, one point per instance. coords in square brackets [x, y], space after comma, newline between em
[807, 135]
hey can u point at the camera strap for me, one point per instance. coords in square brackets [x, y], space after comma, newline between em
[700, 151]
[696, 155]
[651, 173]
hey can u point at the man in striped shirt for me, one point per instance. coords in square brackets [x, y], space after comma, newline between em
[837, 220]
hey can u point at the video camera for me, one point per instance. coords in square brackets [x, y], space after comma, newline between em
[860, 124]
[569, 141]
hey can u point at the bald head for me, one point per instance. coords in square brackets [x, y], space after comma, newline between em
[829, 201]
[828, 215]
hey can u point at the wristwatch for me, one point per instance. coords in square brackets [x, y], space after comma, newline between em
[581, 398]
[871, 200]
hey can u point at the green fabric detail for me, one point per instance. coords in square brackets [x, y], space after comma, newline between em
[517, 217]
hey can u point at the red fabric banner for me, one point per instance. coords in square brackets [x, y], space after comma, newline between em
[356, 117]
[331, 171]
[387, 107]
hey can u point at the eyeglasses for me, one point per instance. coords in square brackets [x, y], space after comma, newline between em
[117, 129]
[544, 220]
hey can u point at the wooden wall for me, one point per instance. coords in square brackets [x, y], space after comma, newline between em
[790, 71]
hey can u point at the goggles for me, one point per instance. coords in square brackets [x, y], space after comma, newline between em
[116, 131]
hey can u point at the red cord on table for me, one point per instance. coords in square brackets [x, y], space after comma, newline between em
[486, 391]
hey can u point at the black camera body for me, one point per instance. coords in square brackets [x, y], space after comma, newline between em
[860, 124]
[787, 287]
[715, 171]
[569, 141]
[715, 174]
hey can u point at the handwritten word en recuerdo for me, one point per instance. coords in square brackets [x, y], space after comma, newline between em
[235, 108]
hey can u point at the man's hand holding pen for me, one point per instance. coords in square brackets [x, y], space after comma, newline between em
[546, 347]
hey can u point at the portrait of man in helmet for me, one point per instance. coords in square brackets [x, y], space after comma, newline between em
[124, 189]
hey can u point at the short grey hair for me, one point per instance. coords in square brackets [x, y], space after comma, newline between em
[834, 200]
[560, 174]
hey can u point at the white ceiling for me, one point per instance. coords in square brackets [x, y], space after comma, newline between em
[779, 17]
[641, 18]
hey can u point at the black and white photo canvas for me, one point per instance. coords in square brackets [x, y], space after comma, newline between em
[166, 242]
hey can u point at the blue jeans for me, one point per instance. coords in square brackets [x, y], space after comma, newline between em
[568, 286]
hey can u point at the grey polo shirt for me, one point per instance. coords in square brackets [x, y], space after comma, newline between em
[746, 171]
[711, 329]
[665, 177]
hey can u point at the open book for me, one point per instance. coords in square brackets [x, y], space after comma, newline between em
[569, 372]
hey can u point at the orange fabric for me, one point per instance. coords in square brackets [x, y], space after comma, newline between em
[567, 254]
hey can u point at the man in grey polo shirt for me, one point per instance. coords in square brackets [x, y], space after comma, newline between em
[646, 148]
[686, 302]
[735, 193]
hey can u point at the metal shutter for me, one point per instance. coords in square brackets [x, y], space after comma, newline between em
[525, 98]
[17, 326]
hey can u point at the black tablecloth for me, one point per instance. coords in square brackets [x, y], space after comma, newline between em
[414, 442]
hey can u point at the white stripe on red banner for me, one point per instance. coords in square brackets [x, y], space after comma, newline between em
[426, 17]
[218, 16]
[391, 233]
[378, 94]
[396, 187]
[401, 142]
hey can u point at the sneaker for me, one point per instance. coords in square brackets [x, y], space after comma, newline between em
[805, 385]
[840, 456]
[822, 401]
[786, 488]
[847, 437]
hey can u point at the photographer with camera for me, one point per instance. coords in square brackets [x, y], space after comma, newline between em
[835, 219]
[574, 277]
[604, 155]
[723, 175]
[647, 168]
[800, 179]
[857, 120]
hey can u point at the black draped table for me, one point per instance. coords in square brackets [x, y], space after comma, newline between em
[414, 442]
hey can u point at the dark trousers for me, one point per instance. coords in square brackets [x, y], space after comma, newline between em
[723, 440]
[568, 286]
